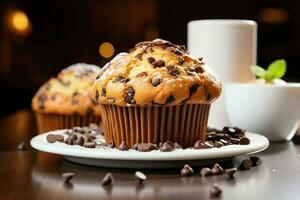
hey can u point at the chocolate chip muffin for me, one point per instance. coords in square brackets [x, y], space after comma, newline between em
[155, 93]
[65, 101]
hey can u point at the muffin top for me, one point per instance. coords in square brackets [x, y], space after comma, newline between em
[156, 73]
[69, 93]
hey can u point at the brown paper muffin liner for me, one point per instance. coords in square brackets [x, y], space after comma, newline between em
[50, 122]
[184, 124]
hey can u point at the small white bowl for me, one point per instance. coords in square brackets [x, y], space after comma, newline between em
[271, 110]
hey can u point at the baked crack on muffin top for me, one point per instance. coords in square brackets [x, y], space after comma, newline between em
[156, 73]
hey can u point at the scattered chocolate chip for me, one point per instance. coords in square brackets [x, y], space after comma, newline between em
[156, 81]
[246, 164]
[139, 56]
[206, 171]
[255, 160]
[244, 141]
[218, 144]
[177, 146]
[186, 170]
[170, 99]
[208, 145]
[142, 74]
[215, 191]
[107, 180]
[225, 142]
[151, 60]
[123, 146]
[230, 172]
[79, 140]
[145, 147]
[166, 147]
[68, 176]
[22, 146]
[235, 141]
[51, 138]
[140, 176]
[158, 63]
[199, 145]
[217, 169]
[90, 144]
[129, 95]
[194, 88]
[173, 70]
[103, 92]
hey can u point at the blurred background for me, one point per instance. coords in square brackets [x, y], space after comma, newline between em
[39, 38]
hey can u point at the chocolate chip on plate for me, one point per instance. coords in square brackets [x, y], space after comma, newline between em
[199, 145]
[79, 140]
[177, 146]
[90, 144]
[51, 138]
[68, 176]
[186, 170]
[246, 164]
[166, 147]
[123, 146]
[230, 172]
[235, 141]
[140, 176]
[255, 160]
[208, 145]
[144, 147]
[206, 171]
[215, 191]
[107, 179]
[244, 141]
[217, 169]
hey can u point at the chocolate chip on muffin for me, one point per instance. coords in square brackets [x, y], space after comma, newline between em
[111, 99]
[158, 63]
[156, 81]
[129, 95]
[139, 56]
[96, 96]
[42, 98]
[151, 60]
[174, 50]
[199, 69]
[191, 71]
[142, 74]
[120, 79]
[170, 99]
[194, 88]
[173, 70]
[103, 92]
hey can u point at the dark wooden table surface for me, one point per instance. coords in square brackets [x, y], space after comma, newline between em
[34, 175]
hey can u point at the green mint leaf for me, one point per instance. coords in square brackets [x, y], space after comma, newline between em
[277, 68]
[269, 76]
[258, 71]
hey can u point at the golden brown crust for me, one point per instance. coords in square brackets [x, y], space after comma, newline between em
[69, 93]
[156, 72]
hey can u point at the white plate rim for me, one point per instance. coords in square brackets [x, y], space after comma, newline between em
[258, 143]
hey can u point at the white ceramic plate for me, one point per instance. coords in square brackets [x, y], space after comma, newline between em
[106, 157]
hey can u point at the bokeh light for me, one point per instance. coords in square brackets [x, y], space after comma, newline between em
[20, 21]
[106, 50]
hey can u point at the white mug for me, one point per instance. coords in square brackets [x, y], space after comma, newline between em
[229, 47]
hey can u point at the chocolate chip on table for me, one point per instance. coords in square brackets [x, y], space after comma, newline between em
[142, 74]
[217, 169]
[244, 141]
[230, 172]
[246, 164]
[193, 88]
[107, 179]
[170, 99]
[215, 191]
[158, 63]
[140, 176]
[151, 60]
[22, 146]
[186, 170]
[156, 81]
[255, 160]
[123, 146]
[206, 171]
[68, 176]
[129, 95]
[90, 144]
[173, 70]
[166, 147]
[199, 145]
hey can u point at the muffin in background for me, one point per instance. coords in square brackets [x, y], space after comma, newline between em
[65, 101]
[155, 93]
